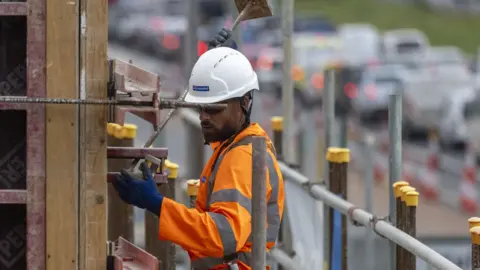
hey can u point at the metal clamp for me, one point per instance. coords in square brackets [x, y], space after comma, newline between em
[350, 216]
[373, 223]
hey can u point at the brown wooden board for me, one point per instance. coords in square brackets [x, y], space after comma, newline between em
[13, 242]
[93, 137]
[13, 149]
[61, 133]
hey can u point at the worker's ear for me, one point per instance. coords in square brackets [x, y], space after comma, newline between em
[245, 101]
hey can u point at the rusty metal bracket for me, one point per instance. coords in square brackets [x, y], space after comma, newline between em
[133, 83]
[160, 177]
[129, 256]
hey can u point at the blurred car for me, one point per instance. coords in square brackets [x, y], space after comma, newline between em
[472, 120]
[311, 53]
[425, 91]
[370, 97]
[453, 130]
[360, 43]
[404, 45]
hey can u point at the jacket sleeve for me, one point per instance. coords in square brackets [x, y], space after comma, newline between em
[226, 227]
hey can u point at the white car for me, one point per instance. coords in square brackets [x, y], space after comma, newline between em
[360, 43]
[404, 45]
[453, 127]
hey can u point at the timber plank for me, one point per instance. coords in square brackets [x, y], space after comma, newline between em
[93, 155]
[61, 136]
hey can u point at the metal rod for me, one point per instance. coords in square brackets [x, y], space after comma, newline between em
[395, 157]
[259, 203]
[329, 120]
[369, 178]
[163, 103]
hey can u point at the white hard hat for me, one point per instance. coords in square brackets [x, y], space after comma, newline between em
[220, 74]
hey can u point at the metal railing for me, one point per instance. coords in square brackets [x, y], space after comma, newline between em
[368, 220]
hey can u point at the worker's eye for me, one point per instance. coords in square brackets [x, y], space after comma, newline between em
[210, 111]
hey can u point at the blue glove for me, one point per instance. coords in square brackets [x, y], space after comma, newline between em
[223, 39]
[142, 193]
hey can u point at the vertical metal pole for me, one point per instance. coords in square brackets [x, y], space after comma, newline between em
[309, 160]
[369, 178]
[259, 203]
[287, 83]
[343, 126]
[119, 214]
[399, 210]
[329, 120]
[338, 159]
[191, 38]
[411, 203]
[395, 157]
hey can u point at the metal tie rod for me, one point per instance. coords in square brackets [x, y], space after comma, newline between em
[162, 103]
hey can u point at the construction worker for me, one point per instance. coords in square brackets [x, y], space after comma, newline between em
[217, 233]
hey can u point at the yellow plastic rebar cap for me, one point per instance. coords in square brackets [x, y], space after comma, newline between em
[338, 155]
[475, 235]
[411, 198]
[192, 187]
[172, 169]
[112, 127]
[405, 190]
[397, 186]
[129, 131]
[473, 222]
[277, 123]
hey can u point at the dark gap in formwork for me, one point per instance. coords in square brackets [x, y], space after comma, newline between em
[13, 243]
[13, 55]
[13, 151]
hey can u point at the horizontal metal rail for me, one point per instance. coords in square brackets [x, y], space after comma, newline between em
[381, 227]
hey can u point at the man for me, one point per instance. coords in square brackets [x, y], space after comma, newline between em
[217, 233]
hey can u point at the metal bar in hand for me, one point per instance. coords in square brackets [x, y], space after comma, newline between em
[395, 157]
[259, 202]
[399, 211]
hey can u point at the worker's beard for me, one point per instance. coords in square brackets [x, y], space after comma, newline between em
[218, 135]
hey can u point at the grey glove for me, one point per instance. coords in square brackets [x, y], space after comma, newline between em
[222, 39]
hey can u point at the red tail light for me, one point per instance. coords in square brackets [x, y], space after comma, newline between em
[202, 48]
[171, 42]
[351, 90]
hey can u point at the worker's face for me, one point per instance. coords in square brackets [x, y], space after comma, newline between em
[220, 125]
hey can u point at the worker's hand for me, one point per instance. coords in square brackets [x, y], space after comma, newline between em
[142, 193]
[222, 39]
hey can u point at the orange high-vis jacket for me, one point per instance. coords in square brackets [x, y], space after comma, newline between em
[219, 228]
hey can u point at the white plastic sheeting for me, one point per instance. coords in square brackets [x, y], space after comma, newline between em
[305, 215]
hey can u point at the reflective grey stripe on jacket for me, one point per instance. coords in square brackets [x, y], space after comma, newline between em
[227, 236]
